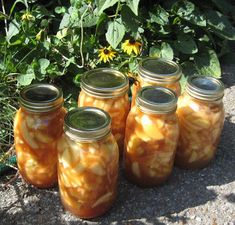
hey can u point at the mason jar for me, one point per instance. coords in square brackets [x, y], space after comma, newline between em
[201, 119]
[157, 72]
[151, 137]
[88, 163]
[107, 89]
[37, 126]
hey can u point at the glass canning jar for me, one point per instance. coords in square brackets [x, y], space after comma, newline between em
[107, 89]
[157, 72]
[88, 163]
[201, 118]
[37, 126]
[151, 137]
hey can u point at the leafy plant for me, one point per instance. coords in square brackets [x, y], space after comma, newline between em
[45, 42]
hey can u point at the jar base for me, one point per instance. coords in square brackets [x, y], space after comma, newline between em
[87, 215]
[40, 186]
[146, 182]
[197, 165]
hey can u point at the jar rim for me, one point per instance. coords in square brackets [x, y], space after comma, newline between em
[39, 98]
[156, 100]
[205, 88]
[87, 123]
[159, 70]
[104, 83]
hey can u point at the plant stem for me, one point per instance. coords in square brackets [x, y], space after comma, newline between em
[117, 9]
[81, 42]
[64, 57]
[4, 11]
[25, 57]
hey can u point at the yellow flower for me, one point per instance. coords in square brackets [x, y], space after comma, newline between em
[39, 35]
[130, 46]
[106, 54]
[27, 16]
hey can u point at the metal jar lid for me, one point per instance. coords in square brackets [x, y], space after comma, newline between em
[156, 100]
[159, 70]
[41, 98]
[205, 88]
[104, 83]
[87, 123]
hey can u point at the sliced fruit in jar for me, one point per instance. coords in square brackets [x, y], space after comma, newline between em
[150, 128]
[66, 158]
[193, 157]
[43, 138]
[28, 137]
[97, 169]
[136, 169]
[104, 198]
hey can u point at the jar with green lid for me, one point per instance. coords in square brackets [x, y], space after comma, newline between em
[107, 89]
[157, 72]
[201, 119]
[37, 126]
[88, 163]
[151, 137]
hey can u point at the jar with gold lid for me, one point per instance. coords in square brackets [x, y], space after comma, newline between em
[201, 119]
[88, 163]
[151, 137]
[107, 89]
[37, 126]
[157, 72]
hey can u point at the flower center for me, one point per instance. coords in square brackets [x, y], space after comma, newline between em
[106, 51]
[132, 41]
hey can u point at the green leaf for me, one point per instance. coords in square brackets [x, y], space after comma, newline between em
[187, 11]
[46, 45]
[90, 19]
[164, 30]
[224, 6]
[70, 61]
[220, 25]
[167, 51]
[60, 9]
[155, 51]
[133, 5]
[207, 63]
[62, 33]
[40, 11]
[76, 3]
[130, 20]
[163, 51]
[133, 65]
[115, 32]
[26, 79]
[77, 80]
[188, 69]
[13, 30]
[104, 4]
[186, 44]
[54, 71]
[183, 8]
[16, 2]
[101, 23]
[159, 16]
[43, 63]
[65, 21]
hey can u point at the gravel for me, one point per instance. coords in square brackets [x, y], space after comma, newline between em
[204, 196]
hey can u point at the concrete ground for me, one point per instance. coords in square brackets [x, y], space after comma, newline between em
[202, 197]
